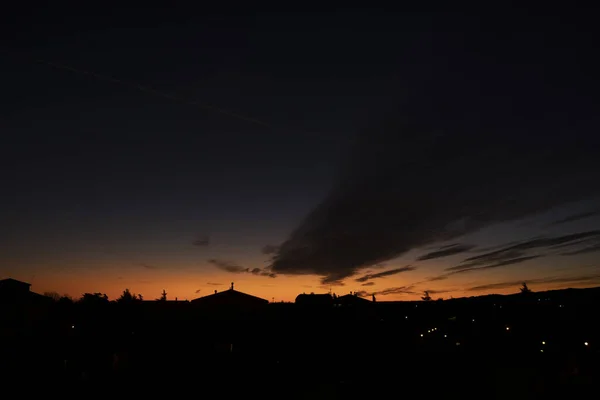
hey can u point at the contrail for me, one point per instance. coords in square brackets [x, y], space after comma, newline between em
[149, 90]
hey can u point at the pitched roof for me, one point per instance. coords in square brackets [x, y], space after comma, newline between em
[352, 299]
[230, 296]
[13, 281]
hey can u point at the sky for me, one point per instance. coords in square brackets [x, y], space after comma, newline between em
[349, 151]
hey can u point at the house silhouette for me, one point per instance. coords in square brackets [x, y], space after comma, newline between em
[314, 300]
[14, 291]
[351, 300]
[230, 298]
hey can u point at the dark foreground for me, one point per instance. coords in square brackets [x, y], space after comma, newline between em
[283, 351]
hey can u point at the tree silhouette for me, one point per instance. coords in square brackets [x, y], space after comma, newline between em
[524, 289]
[128, 297]
[53, 295]
[163, 295]
[94, 298]
[426, 296]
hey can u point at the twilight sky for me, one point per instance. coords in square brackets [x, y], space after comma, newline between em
[386, 153]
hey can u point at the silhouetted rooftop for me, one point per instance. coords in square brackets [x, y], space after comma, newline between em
[13, 283]
[230, 297]
[314, 299]
[349, 299]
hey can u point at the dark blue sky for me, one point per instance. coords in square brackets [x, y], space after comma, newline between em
[387, 120]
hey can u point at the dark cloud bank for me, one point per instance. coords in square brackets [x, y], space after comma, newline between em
[476, 142]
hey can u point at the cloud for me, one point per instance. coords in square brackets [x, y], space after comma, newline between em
[237, 269]
[228, 266]
[549, 280]
[385, 273]
[202, 242]
[417, 180]
[214, 284]
[576, 217]
[269, 249]
[368, 284]
[397, 290]
[361, 293]
[446, 251]
[433, 291]
[198, 291]
[519, 252]
[584, 250]
[148, 266]
[503, 263]
[436, 278]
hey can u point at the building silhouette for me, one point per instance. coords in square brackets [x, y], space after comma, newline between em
[229, 298]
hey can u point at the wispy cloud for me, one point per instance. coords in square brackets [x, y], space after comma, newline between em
[528, 250]
[238, 269]
[436, 278]
[368, 284]
[214, 284]
[383, 274]
[576, 217]
[446, 251]
[148, 266]
[202, 242]
[409, 289]
[470, 268]
[583, 250]
[593, 278]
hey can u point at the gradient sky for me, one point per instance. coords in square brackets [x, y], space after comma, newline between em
[353, 151]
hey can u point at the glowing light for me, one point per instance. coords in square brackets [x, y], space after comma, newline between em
[421, 335]
[586, 344]
[445, 335]
[508, 328]
[473, 319]
[72, 326]
[543, 342]
[542, 350]
[458, 343]
[406, 317]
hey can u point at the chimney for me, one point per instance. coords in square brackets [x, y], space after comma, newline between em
[231, 285]
[215, 291]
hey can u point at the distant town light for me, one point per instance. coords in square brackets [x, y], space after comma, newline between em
[543, 342]
[586, 343]
[445, 335]
[542, 350]
[458, 343]
[473, 319]
[72, 326]
[421, 335]
[406, 317]
[508, 328]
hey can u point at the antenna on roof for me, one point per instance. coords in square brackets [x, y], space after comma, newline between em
[231, 285]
